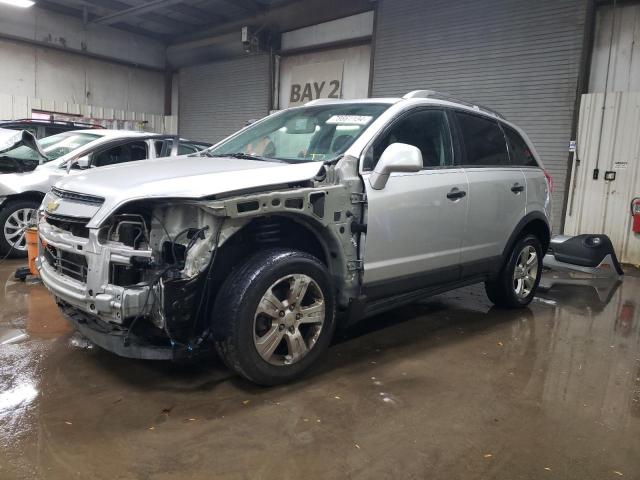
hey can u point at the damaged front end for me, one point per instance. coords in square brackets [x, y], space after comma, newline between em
[133, 285]
[142, 283]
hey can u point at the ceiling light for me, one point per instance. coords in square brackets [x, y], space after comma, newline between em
[19, 3]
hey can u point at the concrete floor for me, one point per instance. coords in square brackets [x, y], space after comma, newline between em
[450, 389]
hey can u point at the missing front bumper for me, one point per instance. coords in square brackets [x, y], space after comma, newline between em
[122, 342]
[91, 291]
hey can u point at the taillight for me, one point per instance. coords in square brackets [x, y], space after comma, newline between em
[549, 181]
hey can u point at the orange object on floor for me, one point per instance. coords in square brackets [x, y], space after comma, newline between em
[32, 249]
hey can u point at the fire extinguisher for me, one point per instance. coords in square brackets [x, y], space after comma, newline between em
[635, 213]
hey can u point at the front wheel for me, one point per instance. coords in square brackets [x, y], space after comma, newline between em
[518, 279]
[15, 218]
[274, 316]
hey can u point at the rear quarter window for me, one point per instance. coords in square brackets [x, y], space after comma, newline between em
[483, 140]
[519, 151]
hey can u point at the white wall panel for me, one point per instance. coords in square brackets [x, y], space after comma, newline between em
[600, 206]
[355, 78]
[624, 72]
[355, 26]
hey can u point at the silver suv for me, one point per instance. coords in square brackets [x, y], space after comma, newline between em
[309, 219]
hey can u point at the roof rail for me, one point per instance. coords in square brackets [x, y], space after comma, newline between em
[449, 98]
[322, 101]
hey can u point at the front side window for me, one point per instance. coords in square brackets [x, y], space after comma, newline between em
[484, 141]
[307, 134]
[53, 147]
[425, 129]
[186, 149]
[519, 151]
[128, 152]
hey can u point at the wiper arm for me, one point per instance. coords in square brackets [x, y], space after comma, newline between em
[242, 155]
[246, 156]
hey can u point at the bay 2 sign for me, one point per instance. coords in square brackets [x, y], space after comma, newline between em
[315, 80]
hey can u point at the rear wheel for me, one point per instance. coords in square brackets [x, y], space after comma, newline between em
[518, 279]
[274, 316]
[15, 218]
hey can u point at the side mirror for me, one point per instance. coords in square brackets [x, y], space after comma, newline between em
[397, 157]
[83, 162]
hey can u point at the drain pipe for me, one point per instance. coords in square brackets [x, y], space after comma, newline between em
[596, 171]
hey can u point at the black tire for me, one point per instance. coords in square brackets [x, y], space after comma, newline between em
[235, 314]
[6, 211]
[503, 291]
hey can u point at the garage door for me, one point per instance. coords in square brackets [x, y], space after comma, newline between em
[219, 98]
[517, 56]
[339, 73]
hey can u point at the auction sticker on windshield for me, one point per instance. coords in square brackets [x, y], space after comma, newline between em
[349, 120]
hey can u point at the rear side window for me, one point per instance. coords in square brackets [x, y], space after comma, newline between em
[519, 151]
[484, 141]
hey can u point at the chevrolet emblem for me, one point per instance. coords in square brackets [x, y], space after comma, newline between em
[53, 205]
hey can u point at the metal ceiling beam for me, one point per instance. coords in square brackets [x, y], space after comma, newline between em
[248, 5]
[118, 6]
[137, 10]
[82, 5]
[204, 16]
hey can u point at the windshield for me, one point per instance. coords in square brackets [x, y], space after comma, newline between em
[316, 133]
[53, 147]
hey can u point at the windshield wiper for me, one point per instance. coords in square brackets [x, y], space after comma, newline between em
[245, 156]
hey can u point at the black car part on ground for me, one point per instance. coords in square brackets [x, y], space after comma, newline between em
[586, 250]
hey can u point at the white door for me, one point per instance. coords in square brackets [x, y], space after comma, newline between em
[415, 224]
[339, 73]
[601, 205]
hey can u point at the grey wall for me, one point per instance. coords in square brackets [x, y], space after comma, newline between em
[58, 76]
[58, 60]
[520, 57]
[219, 98]
[46, 28]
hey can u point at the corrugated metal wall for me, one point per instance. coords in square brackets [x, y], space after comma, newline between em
[520, 57]
[219, 98]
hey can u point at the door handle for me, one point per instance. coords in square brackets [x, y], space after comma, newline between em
[455, 194]
[517, 188]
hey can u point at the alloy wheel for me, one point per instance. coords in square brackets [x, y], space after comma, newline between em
[289, 319]
[15, 228]
[525, 273]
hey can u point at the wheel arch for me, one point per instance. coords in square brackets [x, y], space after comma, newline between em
[535, 223]
[34, 195]
[288, 230]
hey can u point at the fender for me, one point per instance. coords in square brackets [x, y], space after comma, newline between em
[535, 216]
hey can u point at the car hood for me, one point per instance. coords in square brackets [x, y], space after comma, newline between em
[181, 177]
